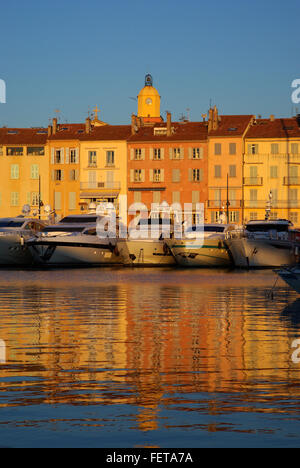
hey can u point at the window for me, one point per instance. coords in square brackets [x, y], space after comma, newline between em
[218, 197]
[1, 150]
[232, 148]
[234, 216]
[274, 148]
[253, 174]
[232, 197]
[273, 215]
[110, 158]
[58, 156]
[14, 171]
[157, 154]
[36, 151]
[138, 154]
[176, 175]
[232, 171]
[14, 198]
[74, 174]
[197, 153]
[14, 151]
[73, 156]
[157, 175]
[176, 153]
[35, 171]
[195, 197]
[34, 199]
[252, 149]
[253, 216]
[197, 175]
[137, 175]
[253, 197]
[176, 197]
[92, 158]
[274, 172]
[57, 200]
[218, 149]
[293, 197]
[72, 200]
[156, 197]
[58, 175]
[218, 172]
[294, 148]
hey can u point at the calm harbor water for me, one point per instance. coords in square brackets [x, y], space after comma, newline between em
[120, 357]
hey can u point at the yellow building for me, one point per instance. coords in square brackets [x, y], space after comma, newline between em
[103, 163]
[225, 165]
[272, 169]
[64, 167]
[24, 175]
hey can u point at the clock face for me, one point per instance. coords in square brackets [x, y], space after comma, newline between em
[149, 101]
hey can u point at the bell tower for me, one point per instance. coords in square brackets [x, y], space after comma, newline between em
[149, 102]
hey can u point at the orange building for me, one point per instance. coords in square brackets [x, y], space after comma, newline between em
[167, 162]
[226, 149]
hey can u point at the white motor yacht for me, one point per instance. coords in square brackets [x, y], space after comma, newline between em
[13, 235]
[263, 244]
[206, 249]
[74, 242]
[150, 249]
[291, 276]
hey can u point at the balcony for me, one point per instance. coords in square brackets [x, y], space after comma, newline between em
[291, 181]
[217, 204]
[276, 204]
[253, 181]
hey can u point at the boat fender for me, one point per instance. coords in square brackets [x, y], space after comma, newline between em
[116, 251]
[22, 241]
[220, 245]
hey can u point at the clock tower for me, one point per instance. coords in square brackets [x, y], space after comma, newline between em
[149, 102]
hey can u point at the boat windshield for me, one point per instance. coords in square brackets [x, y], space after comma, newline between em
[11, 224]
[63, 229]
[154, 222]
[206, 228]
[267, 227]
[79, 219]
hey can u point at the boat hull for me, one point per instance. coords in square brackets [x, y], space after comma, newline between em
[13, 252]
[255, 253]
[59, 252]
[213, 253]
[292, 278]
[145, 253]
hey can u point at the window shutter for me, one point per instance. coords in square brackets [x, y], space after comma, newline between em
[151, 175]
[53, 174]
[52, 155]
[67, 155]
[62, 175]
[171, 153]
[181, 153]
[131, 154]
[162, 153]
[190, 175]
[131, 175]
[162, 175]
[76, 174]
[62, 156]
[151, 153]
[28, 196]
[143, 175]
[190, 153]
[201, 152]
[143, 154]
[72, 201]
[77, 156]
[201, 175]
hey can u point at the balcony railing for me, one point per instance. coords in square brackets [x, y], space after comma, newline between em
[100, 185]
[220, 204]
[291, 181]
[276, 204]
[251, 181]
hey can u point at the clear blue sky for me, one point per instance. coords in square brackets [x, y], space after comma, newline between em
[72, 54]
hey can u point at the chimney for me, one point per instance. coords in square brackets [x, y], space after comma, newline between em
[169, 123]
[272, 118]
[88, 125]
[215, 119]
[133, 125]
[210, 119]
[49, 130]
[54, 123]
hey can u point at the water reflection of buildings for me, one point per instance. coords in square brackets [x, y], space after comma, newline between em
[144, 344]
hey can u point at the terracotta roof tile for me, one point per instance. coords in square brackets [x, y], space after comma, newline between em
[185, 131]
[279, 128]
[231, 125]
[23, 136]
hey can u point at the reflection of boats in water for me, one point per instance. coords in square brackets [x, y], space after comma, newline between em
[264, 244]
[150, 249]
[203, 249]
[13, 235]
[73, 241]
[291, 313]
[291, 276]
